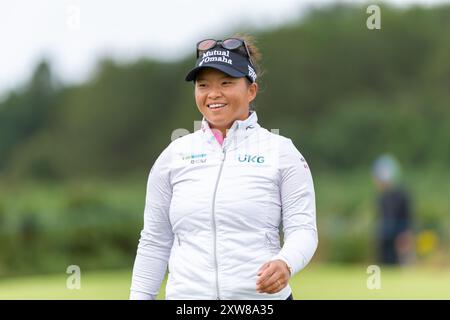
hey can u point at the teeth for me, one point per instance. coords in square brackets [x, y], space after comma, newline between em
[216, 105]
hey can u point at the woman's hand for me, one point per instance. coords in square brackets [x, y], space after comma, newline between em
[273, 276]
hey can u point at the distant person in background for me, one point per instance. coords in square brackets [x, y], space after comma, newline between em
[394, 232]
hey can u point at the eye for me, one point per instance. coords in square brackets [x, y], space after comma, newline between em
[201, 85]
[226, 82]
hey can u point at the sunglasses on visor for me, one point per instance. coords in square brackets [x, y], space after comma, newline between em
[229, 44]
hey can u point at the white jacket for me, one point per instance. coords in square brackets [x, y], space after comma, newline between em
[212, 214]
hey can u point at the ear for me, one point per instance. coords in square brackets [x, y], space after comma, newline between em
[252, 91]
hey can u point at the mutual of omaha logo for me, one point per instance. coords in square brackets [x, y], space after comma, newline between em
[216, 56]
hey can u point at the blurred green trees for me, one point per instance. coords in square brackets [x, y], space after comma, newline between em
[342, 92]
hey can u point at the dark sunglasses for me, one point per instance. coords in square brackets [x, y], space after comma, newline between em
[229, 44]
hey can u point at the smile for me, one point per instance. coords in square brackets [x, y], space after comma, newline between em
[216, 105]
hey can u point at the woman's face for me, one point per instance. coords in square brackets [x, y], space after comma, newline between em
[222, 99]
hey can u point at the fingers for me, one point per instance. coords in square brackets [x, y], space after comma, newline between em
[265, 273]
[270, 284]
[275, 287]
[272, 277]
[263, 267]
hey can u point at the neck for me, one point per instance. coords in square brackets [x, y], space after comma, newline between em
[224, 130]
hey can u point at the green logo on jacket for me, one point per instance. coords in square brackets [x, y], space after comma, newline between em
[251, 158]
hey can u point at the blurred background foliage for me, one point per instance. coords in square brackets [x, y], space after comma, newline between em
[74, 158]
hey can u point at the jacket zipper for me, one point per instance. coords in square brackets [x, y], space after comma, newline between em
[214, 225]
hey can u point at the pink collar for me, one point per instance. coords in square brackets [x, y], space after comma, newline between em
[218, 135]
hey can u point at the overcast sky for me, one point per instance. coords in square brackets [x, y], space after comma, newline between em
[73, 34]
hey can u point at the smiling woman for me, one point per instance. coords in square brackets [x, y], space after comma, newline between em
[220, 98]
[215, 222]
[224, 91]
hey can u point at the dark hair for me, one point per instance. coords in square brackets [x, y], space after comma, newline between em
[255, 53]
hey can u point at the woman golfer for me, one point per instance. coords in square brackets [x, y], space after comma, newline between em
[216, 197]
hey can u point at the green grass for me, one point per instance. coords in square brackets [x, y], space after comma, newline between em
[315, 282]
[350, 282]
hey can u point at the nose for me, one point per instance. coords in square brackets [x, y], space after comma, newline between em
[214, 93]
